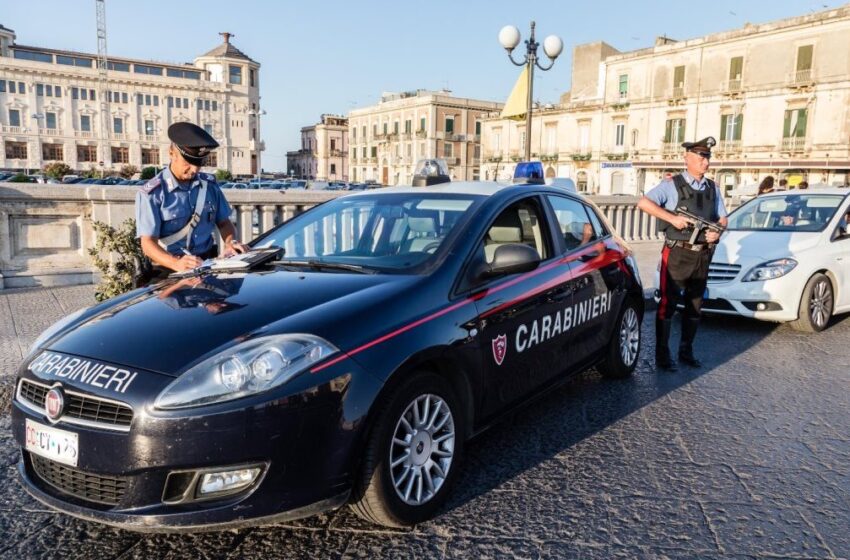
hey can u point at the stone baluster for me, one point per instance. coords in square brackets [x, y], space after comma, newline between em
[267, 221]
[246, 225]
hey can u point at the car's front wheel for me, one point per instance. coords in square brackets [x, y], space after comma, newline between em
[624, 348]
[412, 454]
[816, 305]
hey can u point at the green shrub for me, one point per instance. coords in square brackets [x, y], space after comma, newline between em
[115, 277]
[148, 173]
[57, 169]
[19, 178]
[223, 175]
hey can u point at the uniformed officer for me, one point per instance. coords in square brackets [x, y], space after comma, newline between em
[684, 267]
[177, 211]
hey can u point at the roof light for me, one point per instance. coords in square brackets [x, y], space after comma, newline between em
[529, 173]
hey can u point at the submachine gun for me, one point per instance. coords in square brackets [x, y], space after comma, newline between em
[699, 225]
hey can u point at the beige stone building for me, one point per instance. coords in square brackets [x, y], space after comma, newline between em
[324, 151]
[388, 138]
[51, 103]
[776, 96]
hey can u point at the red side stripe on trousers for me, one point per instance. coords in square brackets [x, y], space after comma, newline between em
[662, 278]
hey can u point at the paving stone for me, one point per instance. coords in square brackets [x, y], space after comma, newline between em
[688, 481]
[764, 530]
[492, 549]
[661, 524]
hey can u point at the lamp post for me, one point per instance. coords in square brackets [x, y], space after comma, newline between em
[37, 118]
[257, 113]
[509, 37]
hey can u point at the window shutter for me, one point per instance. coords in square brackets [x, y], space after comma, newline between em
[804, 57]
[724, 121]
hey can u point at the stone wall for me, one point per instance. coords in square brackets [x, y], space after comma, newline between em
[46, 231]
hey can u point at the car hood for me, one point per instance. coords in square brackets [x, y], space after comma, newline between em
[735, 246]
[171, 326]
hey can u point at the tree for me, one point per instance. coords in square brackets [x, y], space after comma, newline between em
[148, 173]
[57, 169]
[116, 276]
[222, 175]
[90, 174]
[128, 171]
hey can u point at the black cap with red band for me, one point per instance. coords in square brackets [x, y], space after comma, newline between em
[701, 147]
[193, 142]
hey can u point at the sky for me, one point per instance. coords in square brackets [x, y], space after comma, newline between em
[331, 56]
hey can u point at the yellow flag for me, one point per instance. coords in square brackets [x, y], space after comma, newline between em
[517, 103]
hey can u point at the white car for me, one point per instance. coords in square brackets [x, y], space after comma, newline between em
[785, 257]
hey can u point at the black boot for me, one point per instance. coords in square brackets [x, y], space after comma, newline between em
[662, 348]
[686, 347]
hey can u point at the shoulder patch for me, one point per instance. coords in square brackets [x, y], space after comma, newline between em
[149, 187]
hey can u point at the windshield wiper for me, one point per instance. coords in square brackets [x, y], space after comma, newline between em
[320, 265]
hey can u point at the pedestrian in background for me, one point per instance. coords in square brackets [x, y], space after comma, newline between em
[803, 185]
[766, 185]
[684, 266]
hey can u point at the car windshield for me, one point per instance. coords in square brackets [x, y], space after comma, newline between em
[791, 212]
[399, 232]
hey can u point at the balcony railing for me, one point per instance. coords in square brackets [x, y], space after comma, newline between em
[458, 137]
[50, 131]
[678, 92]
[729, 146]
[150, 138]
[671, 148]
[13, 129]
[801, 77]
[452, 160]
[421, 133]
[733, 85]
[84, 134]
[793, 144]
[119, 136]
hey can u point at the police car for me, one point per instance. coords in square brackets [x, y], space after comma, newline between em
[389, 328]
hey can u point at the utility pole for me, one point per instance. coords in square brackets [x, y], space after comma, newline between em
[102, 82]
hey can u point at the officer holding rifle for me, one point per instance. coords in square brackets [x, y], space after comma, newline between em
[690, 211]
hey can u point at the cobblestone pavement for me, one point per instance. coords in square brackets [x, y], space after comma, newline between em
[748, 457]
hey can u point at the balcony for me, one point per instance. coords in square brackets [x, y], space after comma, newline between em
[793, 144]
[457, 137]
[337, 153]
[452, 160]
[733, 86]
[421, 133]
[407, 136]
[550, 157]
[671, 148]
[84, 134]
[119, 136]
[50, 131]
[801, 78]
[150, 138]
[13, 129]
[728, 146]
[678, 92]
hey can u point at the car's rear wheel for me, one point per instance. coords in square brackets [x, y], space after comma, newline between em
[816, 305]
[622, 353]
[412, 454]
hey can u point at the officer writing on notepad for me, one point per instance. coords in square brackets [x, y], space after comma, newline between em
[178, 210]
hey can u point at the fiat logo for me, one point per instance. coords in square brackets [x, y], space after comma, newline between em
[54, 403]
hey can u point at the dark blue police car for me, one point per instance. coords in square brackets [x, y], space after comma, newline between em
[352, 368]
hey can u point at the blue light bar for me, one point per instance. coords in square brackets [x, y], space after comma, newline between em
[529, 172]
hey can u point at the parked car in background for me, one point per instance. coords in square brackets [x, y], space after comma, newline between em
[298, 184]
[317, 185]
[784, 257]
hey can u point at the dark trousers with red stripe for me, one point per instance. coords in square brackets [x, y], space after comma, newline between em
[683, 278]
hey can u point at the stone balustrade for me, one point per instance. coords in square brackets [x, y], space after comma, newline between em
[46, 231]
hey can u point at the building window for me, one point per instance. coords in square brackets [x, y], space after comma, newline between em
[212, 160]
[150, 156]
[374, 151]
[795, 123]
[144, 69]
[120, 155]
[679, 81]
[450, 125]
[333, 144]
[118, 66]
[118, 125]
[236, 75]
[86, 154]
[2, 86]
[736, 68]
[32, 55]
[16, 150]
[478, 128]
[804, 57]
[208, 128]
[149, 128]
[408, 126]
[522, 140]
[385, 128]
[395, 127]
[363, 132]
[169, 101]
[422, 124]
[624, 86]
[374, 130]
[52, 152]
[448, 149]
[14, 117]
[85, 123]
[185, 74]
[333, 169]
[252, 77]
[620, 135]
[497, 140]
[364, 152]
[730, 127]
[674, 131]
[50, 121]
[73, 61]
[39, 90]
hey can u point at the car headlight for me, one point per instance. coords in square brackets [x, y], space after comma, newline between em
[248, 368]
[770, 270]
[51, 331]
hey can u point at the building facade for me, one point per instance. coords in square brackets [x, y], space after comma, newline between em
[52, 104]
[324, 151]
[776, 96]
[387, 139]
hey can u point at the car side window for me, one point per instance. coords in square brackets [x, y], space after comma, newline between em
[598, 227]
[573, 222]
[518, 223]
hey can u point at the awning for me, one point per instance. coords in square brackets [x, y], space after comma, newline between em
[517, 103]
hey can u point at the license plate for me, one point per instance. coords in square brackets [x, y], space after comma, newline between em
[52, 443]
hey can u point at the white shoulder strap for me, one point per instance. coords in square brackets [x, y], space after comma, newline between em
[187, 230]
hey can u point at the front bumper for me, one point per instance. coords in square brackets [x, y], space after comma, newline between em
[780, 298]
[306, 439]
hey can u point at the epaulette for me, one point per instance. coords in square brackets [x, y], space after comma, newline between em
[209, 177]
[149, 187]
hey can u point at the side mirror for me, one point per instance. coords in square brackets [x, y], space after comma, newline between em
[510, 258]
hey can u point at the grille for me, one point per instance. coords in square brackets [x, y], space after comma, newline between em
[82, 407]
[722, 272]
[717, 304]
[101, 489]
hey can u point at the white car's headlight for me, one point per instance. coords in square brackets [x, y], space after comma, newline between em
[770, 270]
[53, 329]
[247, 368]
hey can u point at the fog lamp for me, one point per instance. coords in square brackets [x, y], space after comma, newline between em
[227, 482]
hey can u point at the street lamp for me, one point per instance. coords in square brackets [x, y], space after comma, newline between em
[509, 37]
[37, 117]
[257, 113]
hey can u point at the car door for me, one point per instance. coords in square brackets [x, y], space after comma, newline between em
[597, 284]
[839, 256]
[518, 320]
